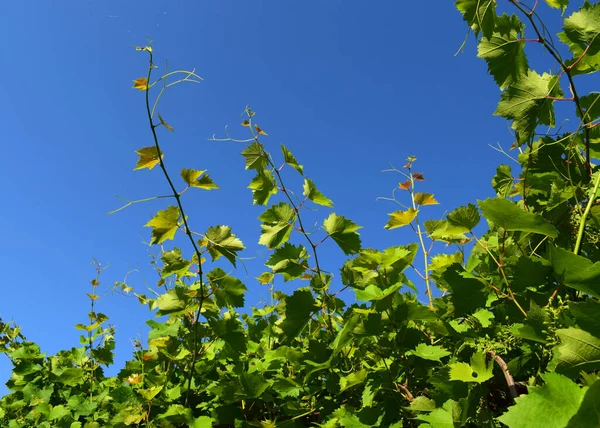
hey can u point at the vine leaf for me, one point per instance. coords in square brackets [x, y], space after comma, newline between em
[229, 291]
[503, 182]
[425, 199]
[298, 308]
[578, 351]
[526, 102]
[575, 271]
[192, 178]
[507, 215]
[255, 157]
[479, 14]
[288, 260]
[174, 263]
[558, 4]
[263, 186]
[401, 218]
[478, 371]
[583, 27]
[504, 51]
[551, 405]
[343, 232]
[165, 124]
[440, 418]
[148, 158]
[467, 217]
[277, 225]
[140, 83]
[221, 242]
[289, 158]
[312, 193]
[429, 352]
[588, 414]
[164, 225]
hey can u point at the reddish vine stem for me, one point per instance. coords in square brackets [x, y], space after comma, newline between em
[509, 379]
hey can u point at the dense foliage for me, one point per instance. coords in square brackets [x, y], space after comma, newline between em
[510, 331]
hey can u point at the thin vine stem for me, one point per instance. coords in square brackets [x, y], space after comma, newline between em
[188, 231]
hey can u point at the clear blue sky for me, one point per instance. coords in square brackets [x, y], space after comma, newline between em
[348, 86]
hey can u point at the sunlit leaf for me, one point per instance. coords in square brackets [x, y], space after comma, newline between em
[140, 83]
[289, 158]
[221, 242]
[425, 199]
[507, 215]
[312, 193]
[164, 225]
[198, 178]
[260, 131]
[405, 185]
[148, 158]
[401, 218]
[479, 371]
[343, 232]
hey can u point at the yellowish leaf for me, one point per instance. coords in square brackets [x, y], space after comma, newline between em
[94, 283]
[401, 218]
[148, 158]
[265, 278]
[141, 84]
[260, 131]
[246, 123]
[165, 124]
[143, 48]
[92, 296]
[425, 199]
[134, 379]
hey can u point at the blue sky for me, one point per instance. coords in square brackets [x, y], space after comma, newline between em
[348, 87]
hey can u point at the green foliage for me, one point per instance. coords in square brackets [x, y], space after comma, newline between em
[509, 334]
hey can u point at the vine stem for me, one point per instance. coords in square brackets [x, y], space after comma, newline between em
[588, 208]
[423, 247]
[188, 231]
[509, 379]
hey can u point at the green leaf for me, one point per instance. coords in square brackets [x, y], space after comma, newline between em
[429, 352]
[173, 301]
[443, 230]
[440, 418]
[401, 218]
[343, 232]
[588, 415]
[478, 371]
[583, 27]
[192, 179]
[229, 291]
[255, 157]
[467, 217]
[253, 384]
[58, 412]
[590, 104]
[578, 351]
[507, 215]
[468, 292]
[372, 293]
[289, 158]
[503, 181]
[586, 315]
[277, 225]
[298, 308]
[174, 263]
[164, 225]
[558, 4]
[203, 422]
[263, 186]
[312, 193]
[289, 260]
[479, 14]
[504, 51]
[575, 271]
[526, 102]
[148, 158]
[550, 406]
[221, 242]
